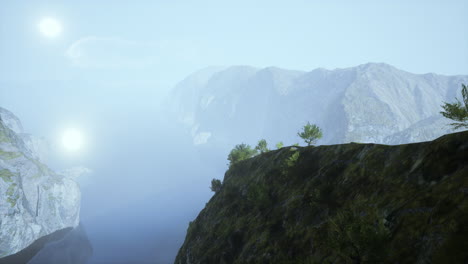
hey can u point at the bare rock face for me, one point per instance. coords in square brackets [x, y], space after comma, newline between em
[372, 103]
[11, 121]
[34, 200]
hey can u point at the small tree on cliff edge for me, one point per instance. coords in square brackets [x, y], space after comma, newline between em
[241, 152]
[458, 111]
[216, 185]
[310, 133]
[262, 146]
[279, 145]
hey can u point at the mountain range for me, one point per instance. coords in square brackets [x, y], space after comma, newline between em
[369, 103]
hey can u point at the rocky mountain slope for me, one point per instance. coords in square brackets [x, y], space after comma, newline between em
[34, 200]
[374, 103]
[349, 203]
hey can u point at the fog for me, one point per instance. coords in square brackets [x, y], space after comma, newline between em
[111, 71]
[147, 181]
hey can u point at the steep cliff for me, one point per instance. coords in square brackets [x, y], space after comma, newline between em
[34, 200]
[350, 203]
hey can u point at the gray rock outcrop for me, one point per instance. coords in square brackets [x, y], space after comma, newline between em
[34, 200]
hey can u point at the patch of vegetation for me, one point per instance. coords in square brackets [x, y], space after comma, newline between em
[257, 194]
[458, 111]
[12, 200]
[356, 234]
[216, 185]
[9, 155]
[349, 203]
[11, 189]
[310, 133]
[291, 161]
[241, 152]
[279, 145]
[3, 136]
[262, 146]
[12, 195]
[6, 175]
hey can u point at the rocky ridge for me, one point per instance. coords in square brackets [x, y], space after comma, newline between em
[369, 103]
[34, 200]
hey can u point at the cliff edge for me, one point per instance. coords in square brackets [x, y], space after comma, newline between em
[349, 203]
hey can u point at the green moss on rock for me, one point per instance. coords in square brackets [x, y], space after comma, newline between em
[3, 137]
[9, 155]
[350, 203]
[12, 201]
[11, 189]
[12, 195]
[6, 175]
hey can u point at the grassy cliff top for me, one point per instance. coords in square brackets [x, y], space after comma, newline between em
[350, 203]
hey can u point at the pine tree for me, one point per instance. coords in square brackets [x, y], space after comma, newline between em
[262, 146]
[310, 133]
[457, 111]
[241, 152]
[216, 185]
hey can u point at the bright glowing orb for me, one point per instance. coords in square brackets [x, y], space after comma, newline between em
[72, 140]
[50, 27]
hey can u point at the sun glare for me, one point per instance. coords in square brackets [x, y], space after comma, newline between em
[72, 140]
[50, 27]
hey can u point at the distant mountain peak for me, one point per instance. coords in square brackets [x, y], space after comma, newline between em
[370, 102]
[376, 65]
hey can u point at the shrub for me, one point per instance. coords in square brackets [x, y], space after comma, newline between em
[291, 161]
[215, 185]
[262, 146]
[241, 152]
[458, 111]
[279, 145]
[310, 133]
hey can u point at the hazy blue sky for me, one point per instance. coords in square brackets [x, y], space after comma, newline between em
[106, 73]
[160, 42]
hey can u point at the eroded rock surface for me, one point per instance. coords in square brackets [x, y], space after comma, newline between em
[34, 200]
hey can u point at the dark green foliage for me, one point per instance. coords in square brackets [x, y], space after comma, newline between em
[258, 195]
[350, 203]
[216, 185]
[6, 175]
[241, 152]
[458, 111]
[262, 146]
[310, 133]
[291, 161]
[357, 234]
